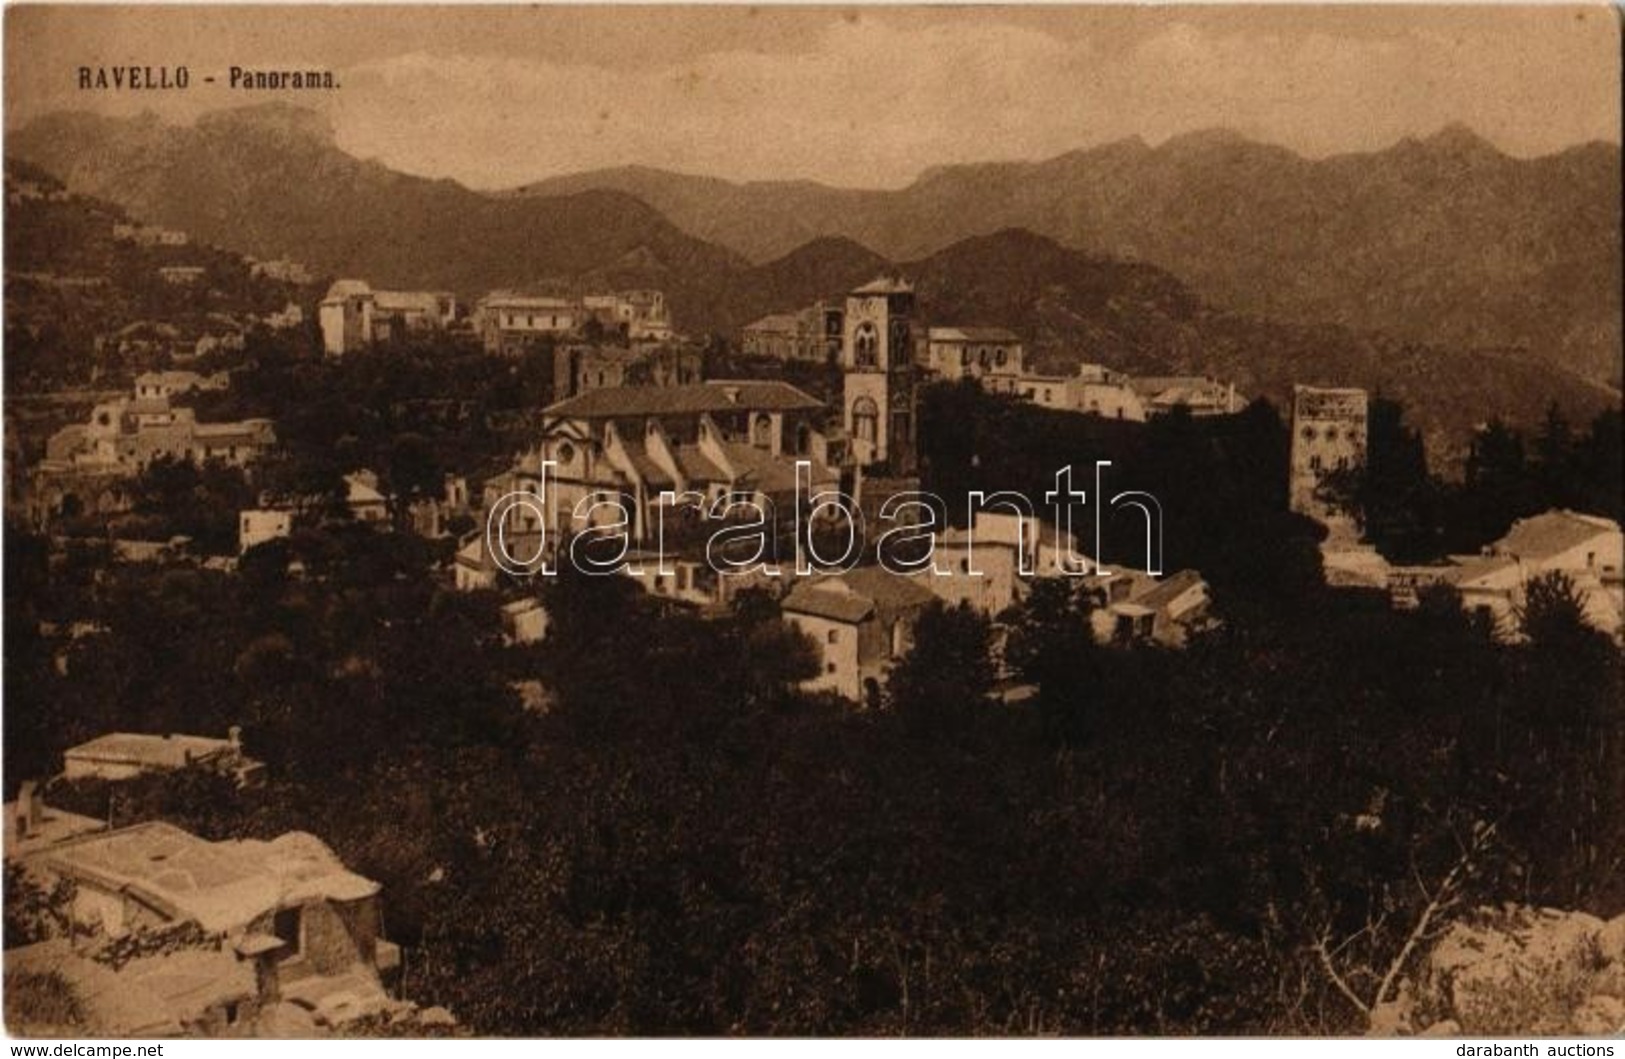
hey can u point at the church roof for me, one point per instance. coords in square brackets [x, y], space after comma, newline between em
[615, 402]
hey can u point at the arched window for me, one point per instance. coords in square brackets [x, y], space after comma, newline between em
[1000, 356]
[835, 636]
[866, 343]
[865, 419]
[761, 431]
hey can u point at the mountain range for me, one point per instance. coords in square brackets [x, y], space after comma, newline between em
[270, 181]
[1442, 240]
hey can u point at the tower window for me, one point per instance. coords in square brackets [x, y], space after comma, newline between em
[865, 419]
[866, 345]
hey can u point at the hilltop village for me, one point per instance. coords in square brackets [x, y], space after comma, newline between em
[291, 702]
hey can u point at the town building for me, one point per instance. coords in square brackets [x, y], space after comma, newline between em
[1493, 585]
[353, 316]
[1136, 609]
[287, 318]
[719, 439]
[256, 526]
[126, 755]
[524, 621]
[992, 355]
[580, 367]
[812, 335]
[511, 322]
[1046, 391]
[182, 275]
[123, 435]
[21, 189]
[282, 270]
[633, 315]
[163, 385]
[31, 825]
[1197, 395]
[432, 516]
[274, 922]
[1100, 391]
[148, 235]
[1328, 437]
[276, 516]
[862, 621]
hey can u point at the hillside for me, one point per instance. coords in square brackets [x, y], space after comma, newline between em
[1442, 240]
[1073, 307]
[71, 286]
[269, 181]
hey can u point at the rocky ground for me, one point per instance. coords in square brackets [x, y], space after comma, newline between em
[1516, 971]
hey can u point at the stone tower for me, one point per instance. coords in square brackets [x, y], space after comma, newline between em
[1328, 435]
[877, 358]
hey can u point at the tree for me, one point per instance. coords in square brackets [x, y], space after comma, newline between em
[1553, 613]
[34, 910]
[1366, 965]
[948, 671]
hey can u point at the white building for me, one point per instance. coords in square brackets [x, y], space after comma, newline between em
[862, 622]
[255, 526]
[353, 315]
[1586, 548]
[126, 755]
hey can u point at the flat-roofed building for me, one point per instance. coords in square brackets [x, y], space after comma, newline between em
[126, 755]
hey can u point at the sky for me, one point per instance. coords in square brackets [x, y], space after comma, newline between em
[865, 96]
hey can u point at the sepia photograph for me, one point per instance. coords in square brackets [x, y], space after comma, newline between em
[994, 521]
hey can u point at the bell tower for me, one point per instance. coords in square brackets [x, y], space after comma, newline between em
[877, 357]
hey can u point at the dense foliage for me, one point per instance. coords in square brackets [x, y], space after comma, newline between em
[678, 841]
[682, 843]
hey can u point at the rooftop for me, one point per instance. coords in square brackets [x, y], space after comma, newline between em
[347, 288]
[693, 399]
[411, 301]
[775, 322]
[972, 334]
[769, 473]
[886, 285]
[221, 885]
[1169, 589]
[855, 595]
[150, 996]
[155, 751]
[1552, 533]
[508, 299]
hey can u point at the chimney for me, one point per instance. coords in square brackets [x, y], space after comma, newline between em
[30, 809]
[234, 735]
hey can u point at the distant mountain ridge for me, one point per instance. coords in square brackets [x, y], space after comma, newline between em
[269, 181]
[1443, 239]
